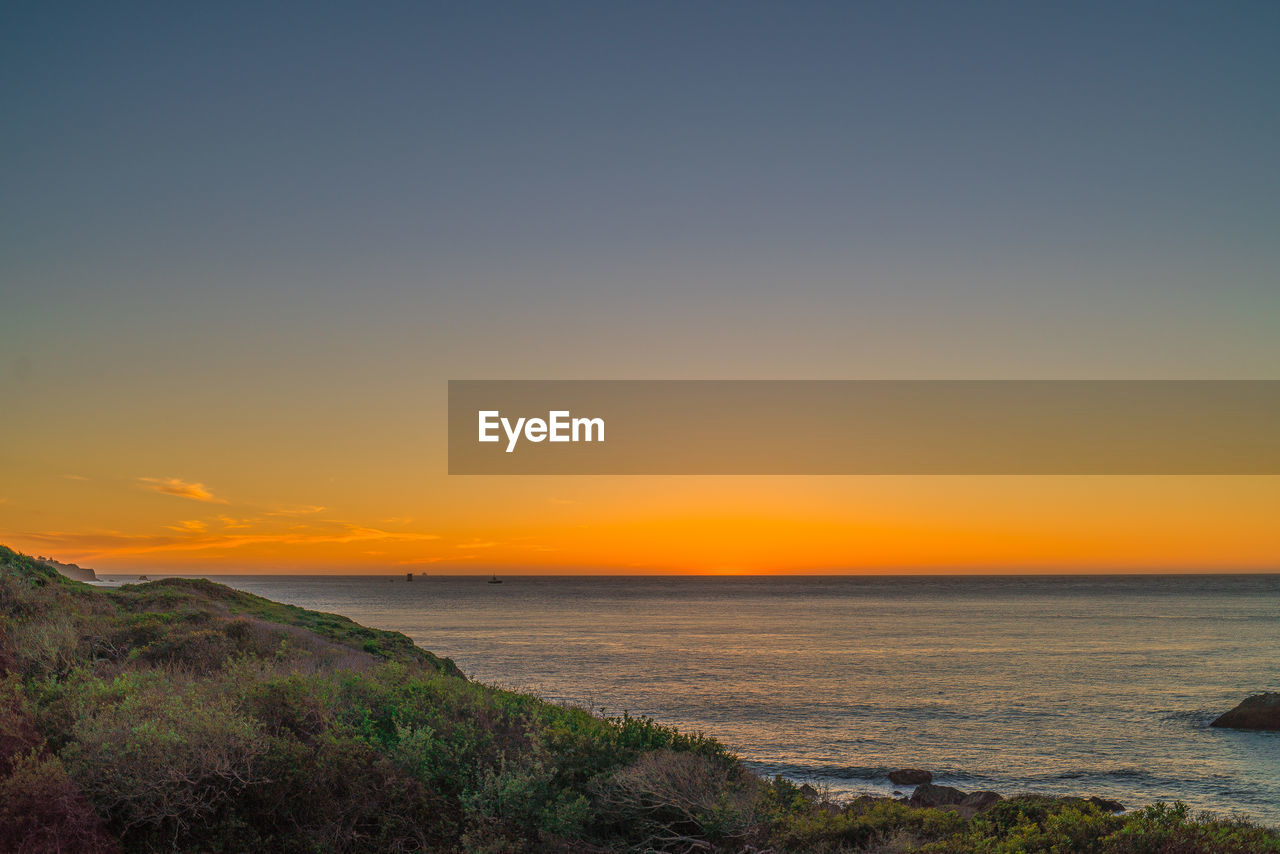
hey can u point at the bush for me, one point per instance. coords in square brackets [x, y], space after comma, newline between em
[165, 761]
[340, 794]
[42, 810]
[666, 800]
[1170, 829]
[47, 645]
[865, 824]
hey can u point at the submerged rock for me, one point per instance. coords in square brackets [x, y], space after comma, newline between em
[1261, 711]
[910, 777]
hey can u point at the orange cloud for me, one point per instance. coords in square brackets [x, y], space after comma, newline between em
[180, 488]
[305, 510]
[193, 539]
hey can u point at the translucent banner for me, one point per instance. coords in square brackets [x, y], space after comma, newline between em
[1032, 427]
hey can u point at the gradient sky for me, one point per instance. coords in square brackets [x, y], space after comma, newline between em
[244, 246]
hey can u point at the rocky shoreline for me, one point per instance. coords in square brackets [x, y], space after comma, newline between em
[929, 795]
[1260, 712]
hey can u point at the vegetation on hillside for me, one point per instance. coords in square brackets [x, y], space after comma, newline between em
[181, 715]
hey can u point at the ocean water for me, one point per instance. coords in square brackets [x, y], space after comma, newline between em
[1071, 685]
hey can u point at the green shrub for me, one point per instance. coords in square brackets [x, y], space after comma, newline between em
[341, 794]
[164, 761]
[668, 798]
[41, 809]
[864, 824]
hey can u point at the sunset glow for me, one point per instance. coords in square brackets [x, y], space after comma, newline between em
[232, 295]
[663, 525]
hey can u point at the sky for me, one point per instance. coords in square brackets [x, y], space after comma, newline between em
[243, 248]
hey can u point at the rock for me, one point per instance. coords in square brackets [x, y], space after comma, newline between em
[1261, 711]
[909, 777]
[862, 803]
[929, 795]
[809, 793]
[1106, 804]
[981, 801]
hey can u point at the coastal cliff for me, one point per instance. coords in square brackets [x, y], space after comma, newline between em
[183, 715]
[70, 570]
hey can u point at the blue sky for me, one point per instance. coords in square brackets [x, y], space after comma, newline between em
[979, 167]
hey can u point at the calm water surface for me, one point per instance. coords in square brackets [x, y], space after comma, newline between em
[1056, 685]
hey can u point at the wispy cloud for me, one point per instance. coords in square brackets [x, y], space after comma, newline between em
[477, 544]
[75, 477]
[180, 488]
[189, 526]
[304, 510]
[187, 539]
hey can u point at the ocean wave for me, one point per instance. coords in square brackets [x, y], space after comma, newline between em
[1195, 719]
[1127, 774]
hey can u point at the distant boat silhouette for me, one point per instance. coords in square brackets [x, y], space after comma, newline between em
[495, 580]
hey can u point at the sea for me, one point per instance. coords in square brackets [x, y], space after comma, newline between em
[1074, 685]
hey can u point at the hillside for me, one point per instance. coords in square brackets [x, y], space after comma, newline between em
[182, 715]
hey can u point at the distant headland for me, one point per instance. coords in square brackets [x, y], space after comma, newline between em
[70, 570]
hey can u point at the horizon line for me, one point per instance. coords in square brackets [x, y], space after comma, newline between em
[511, 575]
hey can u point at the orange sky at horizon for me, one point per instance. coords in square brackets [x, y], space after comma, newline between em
[653, 525]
